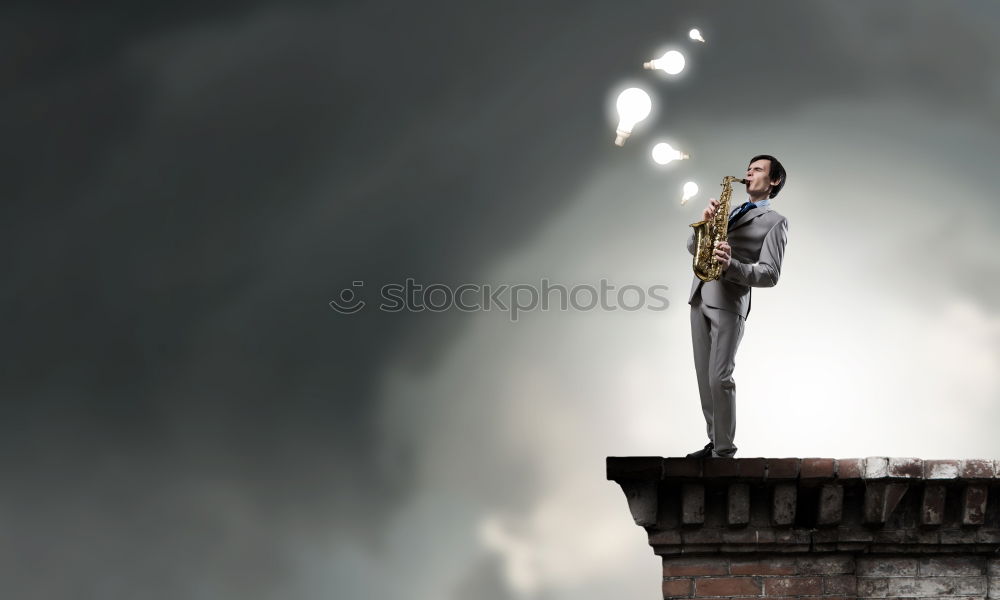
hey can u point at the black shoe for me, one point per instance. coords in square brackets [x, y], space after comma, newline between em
[705, 452]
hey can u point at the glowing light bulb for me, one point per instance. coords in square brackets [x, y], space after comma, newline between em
[633, 106]
[672, 63]
[690, 191]
[664, 153]
[695, 35]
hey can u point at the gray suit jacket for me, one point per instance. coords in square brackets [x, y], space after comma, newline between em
[758, 241]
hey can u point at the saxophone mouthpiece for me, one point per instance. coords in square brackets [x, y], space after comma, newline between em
[743, 181]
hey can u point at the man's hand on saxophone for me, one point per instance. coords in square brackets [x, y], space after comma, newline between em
[723, 253]
[709, 212]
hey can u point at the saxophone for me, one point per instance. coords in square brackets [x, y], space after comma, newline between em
[707, 233]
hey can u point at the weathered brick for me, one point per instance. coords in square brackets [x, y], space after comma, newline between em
[974, 504]
[728, 586]
[847, 534]
[740, 536]
[825, 536]
[773, 566]
[876, 467]
[958, 536]
[886, 566]
[751, 537]
[832, 564]
[941, 469]
[919, 587]
[977, 469]
[779, 598]
[954, 566]
[909, 468]
[988, 535]
[782, 468]
[752, 468]
[767, 536]
[702, 535]
[793, 586]
[677, 567]
[932, 505]
[831, 504]
[817, 468]
[634, 467]
[692, 504]
[929, 538]
[881, 498]
[895, 536]
[796, 548]
[993, 568]
[643, 500]
[898, 549]
[681, 467]
[793, 536]
[846, 585]
[720, 468]
[850, 468]
[664, 536]
[851, 546]
[738, 509]
[691, 550]
[783, 504]
[677, 588]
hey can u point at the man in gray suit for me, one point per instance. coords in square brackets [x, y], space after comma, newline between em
[751, 258]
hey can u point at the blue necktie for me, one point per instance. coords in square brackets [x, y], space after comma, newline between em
[742, 210]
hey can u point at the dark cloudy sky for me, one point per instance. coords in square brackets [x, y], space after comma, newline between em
[186, 188]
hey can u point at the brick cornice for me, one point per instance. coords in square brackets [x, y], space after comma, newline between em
[769, 505]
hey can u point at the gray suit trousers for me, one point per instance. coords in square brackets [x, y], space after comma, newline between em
[715, 336]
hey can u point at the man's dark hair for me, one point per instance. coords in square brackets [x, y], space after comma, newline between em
[777, 171]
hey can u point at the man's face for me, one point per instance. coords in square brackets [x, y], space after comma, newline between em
[759, 182]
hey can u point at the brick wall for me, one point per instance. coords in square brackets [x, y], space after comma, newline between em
[775, 576]
[961, 576]
[819, 528]
[832, 576]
